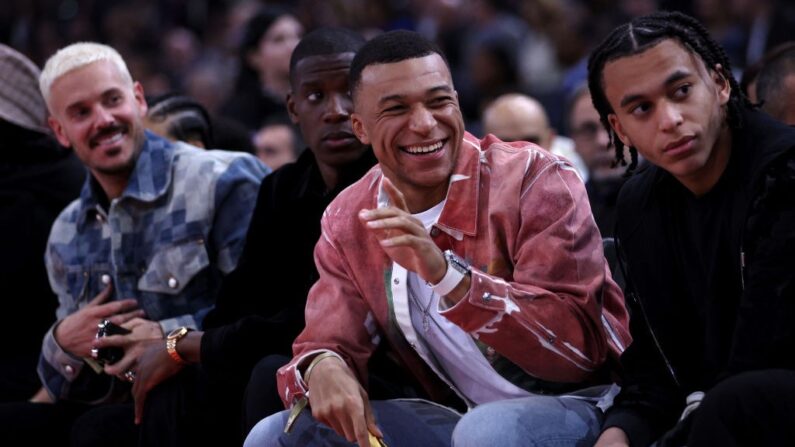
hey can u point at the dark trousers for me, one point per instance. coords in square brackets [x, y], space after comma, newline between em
[26, 424]
[190, 409]
[187, 410]
[750, 409]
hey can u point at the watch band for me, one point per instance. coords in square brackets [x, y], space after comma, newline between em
[456, 270]
[171, 344]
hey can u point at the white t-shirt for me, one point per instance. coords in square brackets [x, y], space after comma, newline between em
[453, 350]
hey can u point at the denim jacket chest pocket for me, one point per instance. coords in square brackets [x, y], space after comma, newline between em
[174, 267]
[84, 282]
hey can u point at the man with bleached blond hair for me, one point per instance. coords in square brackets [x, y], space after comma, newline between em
[156, 227]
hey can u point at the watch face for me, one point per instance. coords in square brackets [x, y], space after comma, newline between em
[456, 262]
[177, 332]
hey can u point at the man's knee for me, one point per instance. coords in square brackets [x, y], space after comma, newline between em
[267, 431]
[534, 421]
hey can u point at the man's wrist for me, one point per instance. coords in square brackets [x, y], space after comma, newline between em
[315, 361]
[437, 276]
[172, 339]
[63, 361]
[457, 272]
[459, 292]
[56, 337]
[189, 347]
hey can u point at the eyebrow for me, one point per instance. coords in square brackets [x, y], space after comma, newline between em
[398, 97]
[673, 78]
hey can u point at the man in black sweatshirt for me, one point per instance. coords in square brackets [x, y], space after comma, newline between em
[707, 230]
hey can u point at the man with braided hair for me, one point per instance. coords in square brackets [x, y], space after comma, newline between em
[706, 232]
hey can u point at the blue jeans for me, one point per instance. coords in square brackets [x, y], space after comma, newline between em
[404, 422]
[530, 421]
[546, 421]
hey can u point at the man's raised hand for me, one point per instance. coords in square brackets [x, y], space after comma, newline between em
[403, 237]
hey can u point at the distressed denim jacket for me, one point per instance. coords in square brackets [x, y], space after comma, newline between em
[166, 241]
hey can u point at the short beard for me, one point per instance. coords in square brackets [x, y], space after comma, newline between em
[138, 139]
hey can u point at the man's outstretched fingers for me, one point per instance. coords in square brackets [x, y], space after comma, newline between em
[139, 393]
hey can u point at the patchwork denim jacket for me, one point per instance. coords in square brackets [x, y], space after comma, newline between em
[177, 228]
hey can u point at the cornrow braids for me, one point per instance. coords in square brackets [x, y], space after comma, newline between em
[643, 33]
[189, 119]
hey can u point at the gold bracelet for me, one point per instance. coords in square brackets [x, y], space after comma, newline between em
[318, 358]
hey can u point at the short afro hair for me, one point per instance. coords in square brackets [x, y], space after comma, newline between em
[391, 47]
[324, 42]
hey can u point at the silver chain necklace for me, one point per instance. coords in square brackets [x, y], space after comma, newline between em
[426, 311]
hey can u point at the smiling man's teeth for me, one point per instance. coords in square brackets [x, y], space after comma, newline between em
[424, 149]
[112, 140]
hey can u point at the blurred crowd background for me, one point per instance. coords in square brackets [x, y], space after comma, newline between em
[210, 51]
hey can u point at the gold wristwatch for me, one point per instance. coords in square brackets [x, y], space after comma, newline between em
[171, 343]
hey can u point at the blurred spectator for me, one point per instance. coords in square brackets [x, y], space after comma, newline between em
[489, 55]
[276, 144]
[230, 135]
[720, 24]
[516, 117]
[748, 80]
[605, 175]
[180, 118]
[768, 23]
[493, 69]
[750, 76]
[549, 46]
[775, 86]
[208, 84]
[38, 178]
[180, 52]
[263, 82]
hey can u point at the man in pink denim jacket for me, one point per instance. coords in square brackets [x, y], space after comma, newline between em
[477, 261]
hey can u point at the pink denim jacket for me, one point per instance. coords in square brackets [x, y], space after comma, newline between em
[541, 299]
